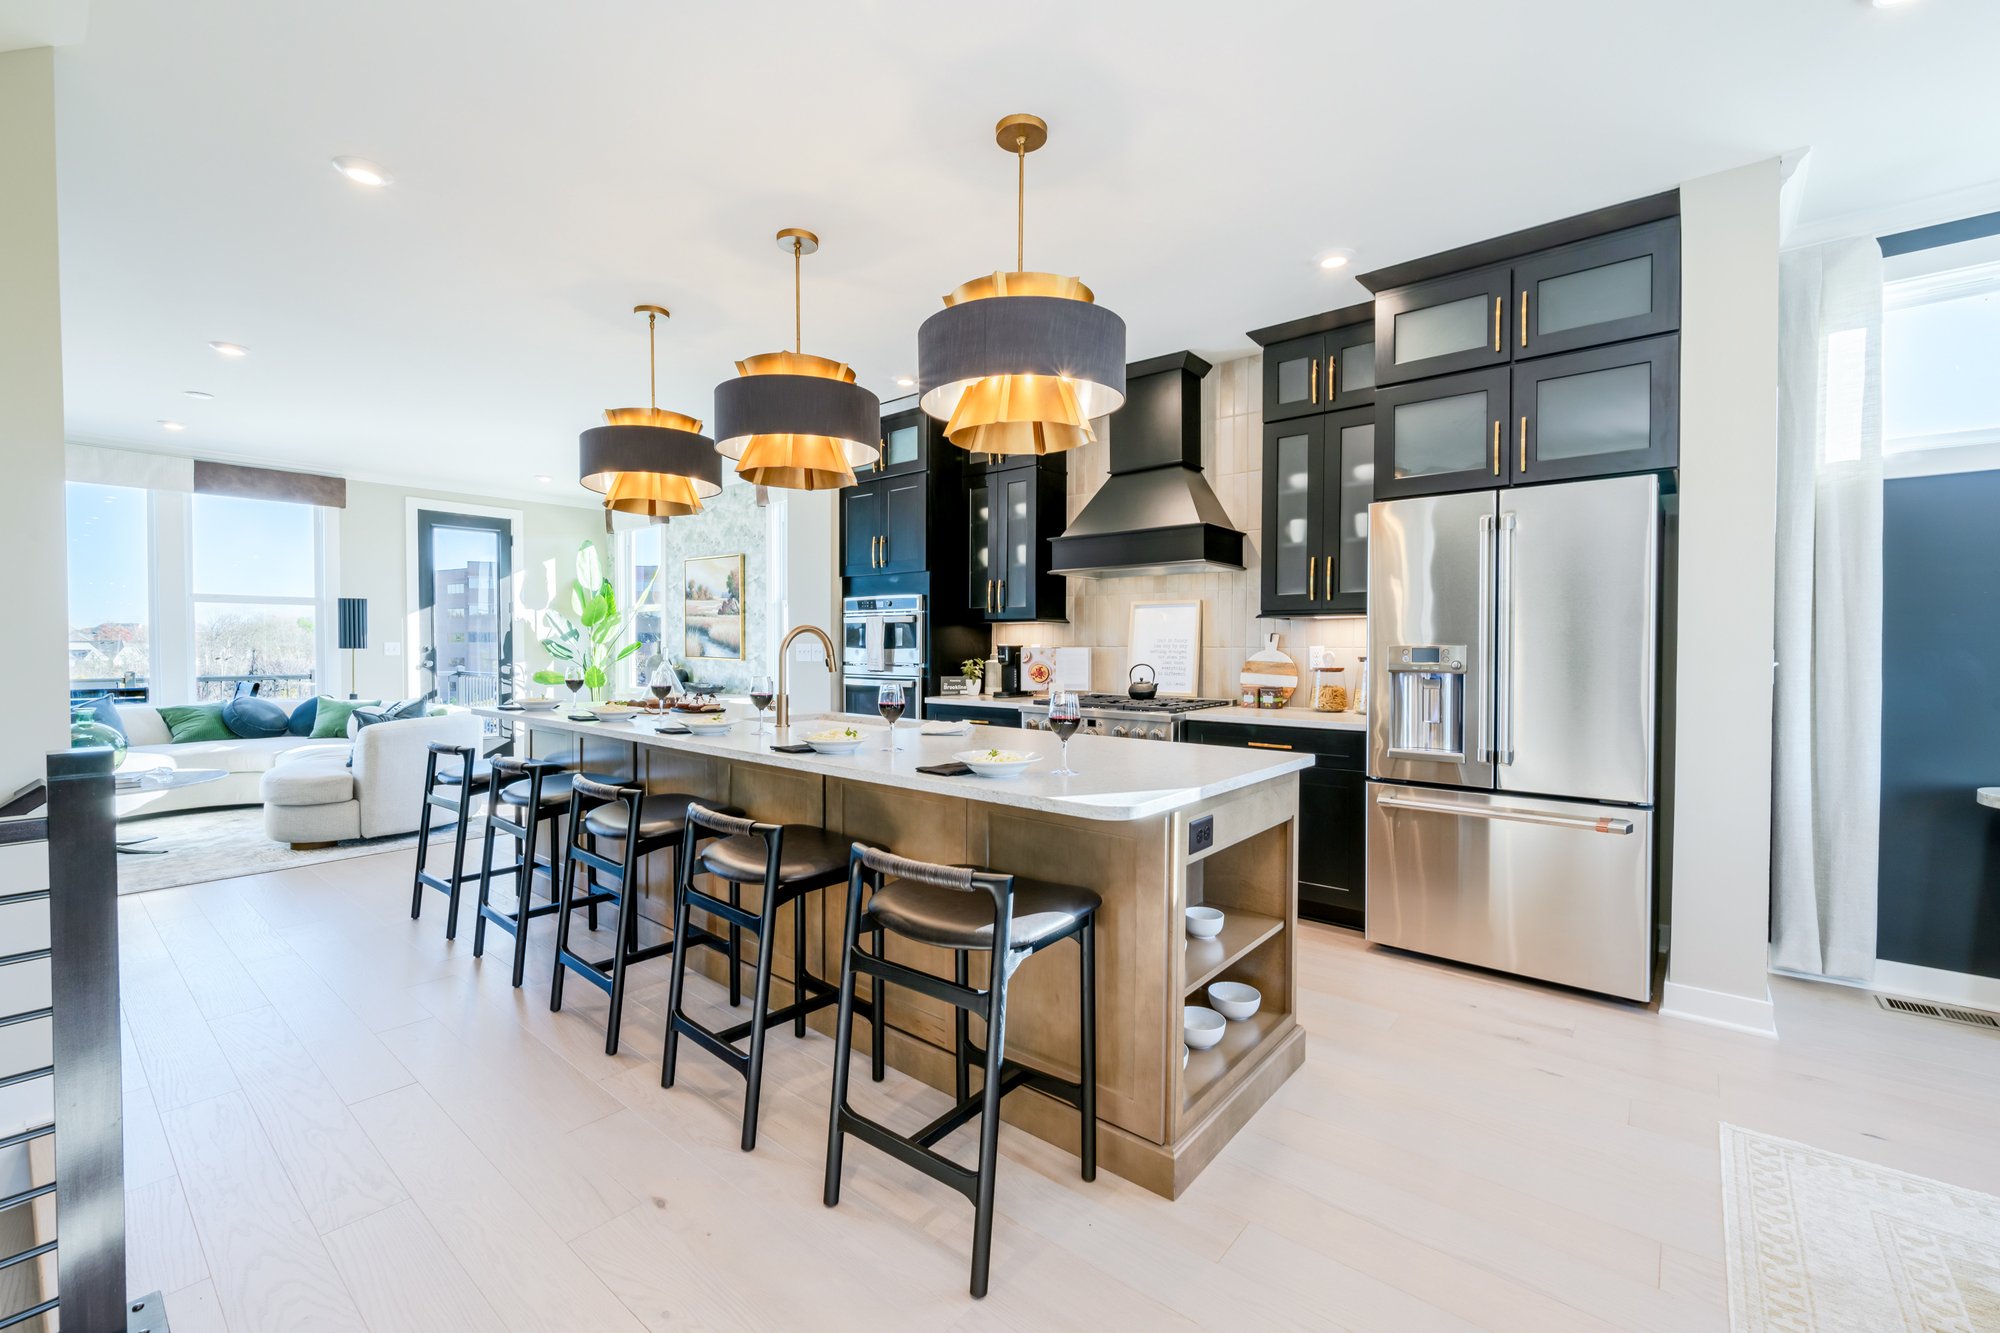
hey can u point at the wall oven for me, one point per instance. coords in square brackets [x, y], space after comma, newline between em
[882, 642]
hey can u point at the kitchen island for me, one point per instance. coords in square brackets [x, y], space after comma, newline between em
[1152, 827]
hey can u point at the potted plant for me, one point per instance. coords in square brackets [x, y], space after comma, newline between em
[590, 639]
[970, 672]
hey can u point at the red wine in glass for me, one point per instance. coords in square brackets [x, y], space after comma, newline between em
[761, 694]
[1065, 716]
[661, 689]
[889, 702]
[574, 680]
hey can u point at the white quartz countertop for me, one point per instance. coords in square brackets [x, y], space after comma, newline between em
[1117, 779]
[1234, 714]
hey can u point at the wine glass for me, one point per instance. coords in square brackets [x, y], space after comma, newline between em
[889, 703]
[573, 681]
[1065, 716]
[662, 687]
[761, 694]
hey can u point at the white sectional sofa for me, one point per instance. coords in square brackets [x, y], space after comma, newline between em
[245, 760]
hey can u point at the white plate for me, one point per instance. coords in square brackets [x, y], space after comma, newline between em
[960, 728]
[537, 705]
[611, 712]
[1201, 1027]
[708, 726]
[1234, 1000]
[845, 746]
[977, 761]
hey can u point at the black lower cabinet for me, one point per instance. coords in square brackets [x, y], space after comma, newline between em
[1332, 810]
[989, 716]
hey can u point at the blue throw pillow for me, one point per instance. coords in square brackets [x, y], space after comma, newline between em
[253, 718]
[105, 711]
[302, 717]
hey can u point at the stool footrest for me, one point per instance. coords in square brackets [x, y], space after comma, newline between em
[505, 920]
[975, 1001]
[820, 996]
[932, 1163]
[443, 883]
[1012, 1077]
[1062, 1089]
[735, 916]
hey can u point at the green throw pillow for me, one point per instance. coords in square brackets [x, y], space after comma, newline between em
[330, 723]
[196, 722]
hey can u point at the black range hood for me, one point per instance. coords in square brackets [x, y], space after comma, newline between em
[1156, 513]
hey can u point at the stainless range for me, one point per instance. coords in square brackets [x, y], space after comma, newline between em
[1120, 715]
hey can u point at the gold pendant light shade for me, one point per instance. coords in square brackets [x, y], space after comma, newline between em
[647, 460]
[1021, 362]
[792, 420]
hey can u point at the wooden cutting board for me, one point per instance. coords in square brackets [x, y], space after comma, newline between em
[1269, 666]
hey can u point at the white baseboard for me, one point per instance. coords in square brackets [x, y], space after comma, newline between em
[1719, 1008]
[1934, 983]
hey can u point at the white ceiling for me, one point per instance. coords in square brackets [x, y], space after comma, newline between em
[556, 163]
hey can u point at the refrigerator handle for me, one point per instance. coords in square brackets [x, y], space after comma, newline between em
[1483, 652]
[1582, 823]
[1503, 656]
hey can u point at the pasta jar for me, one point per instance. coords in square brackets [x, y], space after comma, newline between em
[1330, 689]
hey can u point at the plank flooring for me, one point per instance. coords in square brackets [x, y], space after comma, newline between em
[336, 1120]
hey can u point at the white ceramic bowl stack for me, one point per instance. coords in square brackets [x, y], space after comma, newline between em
[1201, 1027]
[1234, 1000]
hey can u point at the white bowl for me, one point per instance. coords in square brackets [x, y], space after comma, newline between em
[1204, 923]
[607, 712]
[1012, 765]
[939, 728]
[708, 725]
[1201, 1027]
[1234, 1000]
[829, 745]
[537, 705]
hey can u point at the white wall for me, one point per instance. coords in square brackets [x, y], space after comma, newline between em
[1721, 837]
[375, 560]
[810, 533]
[34, 669]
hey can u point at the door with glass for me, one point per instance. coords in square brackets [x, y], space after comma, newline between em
[1606, 289]
[465, 612]
[1597, 412]
[1437, 328]
[1441, 435]
[1348, 487]
[1294, 506]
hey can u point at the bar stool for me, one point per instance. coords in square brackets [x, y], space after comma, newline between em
[965, 910]
[517, 808]
[609, 810]
[451, 789]
[791, 861]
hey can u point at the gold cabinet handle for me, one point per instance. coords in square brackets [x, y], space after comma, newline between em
[1331, 392]
[1524, 317]
[1312, 393]
[1496, 448]
[989, 596]
[1312, 572]
[885, 550]
[1498, 301]
[1266, 745]
[1003, 594]
[1524, 443]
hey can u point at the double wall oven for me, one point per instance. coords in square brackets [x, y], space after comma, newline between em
[881, 643]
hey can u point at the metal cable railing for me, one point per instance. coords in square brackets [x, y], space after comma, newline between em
[77, 1255]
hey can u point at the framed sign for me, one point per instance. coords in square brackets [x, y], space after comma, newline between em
[1166, 636]
[712, 607]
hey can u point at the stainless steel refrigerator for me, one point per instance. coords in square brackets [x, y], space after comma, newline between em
[1513, 640]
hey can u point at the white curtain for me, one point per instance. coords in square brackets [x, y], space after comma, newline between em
[1828, 725]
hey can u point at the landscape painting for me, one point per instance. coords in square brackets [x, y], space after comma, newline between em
[713, 608]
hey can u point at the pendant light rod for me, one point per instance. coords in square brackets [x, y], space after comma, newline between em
[801, 243]
[652, 313]
[1021, 135]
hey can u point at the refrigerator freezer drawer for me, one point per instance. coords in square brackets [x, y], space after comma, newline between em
[1556, 890]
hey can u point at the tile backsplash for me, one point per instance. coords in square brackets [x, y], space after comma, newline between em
[1232, 456]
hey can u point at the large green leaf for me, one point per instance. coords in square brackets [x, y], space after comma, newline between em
[593, 678]
[547, 678]
[626, 652]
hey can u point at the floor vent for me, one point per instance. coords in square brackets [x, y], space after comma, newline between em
[1950, 1013]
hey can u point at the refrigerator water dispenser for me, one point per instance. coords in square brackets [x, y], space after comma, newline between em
[1427, 702]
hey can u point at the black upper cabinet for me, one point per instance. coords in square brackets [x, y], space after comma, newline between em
[1293, 383]
[1441, 327]
[907, 440]
[1350, 366]
[1318, 481]
[1606, 289]
[861, 511]
[980, 577]
[1013, 509]
[905, 525]
[1597, 412]
[1442, 435]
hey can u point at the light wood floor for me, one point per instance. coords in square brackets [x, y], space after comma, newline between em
[334, 1120]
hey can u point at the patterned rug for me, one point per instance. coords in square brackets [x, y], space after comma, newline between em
[1821, 1243]
[202, 845]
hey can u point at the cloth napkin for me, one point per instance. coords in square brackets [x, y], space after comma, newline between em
[669, 729]
[951, 770]
[793, 749]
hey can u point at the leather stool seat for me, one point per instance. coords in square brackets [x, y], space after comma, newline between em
[957, 920]
[808, 853]
[557, 788]
[662, 814]
[482, 773]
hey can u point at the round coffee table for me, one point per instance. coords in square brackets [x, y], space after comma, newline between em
[158, 779]
[1989, 796]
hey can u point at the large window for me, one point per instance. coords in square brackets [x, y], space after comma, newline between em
[1940, 342]
[256, 595]
[110, 592]
[645, 593]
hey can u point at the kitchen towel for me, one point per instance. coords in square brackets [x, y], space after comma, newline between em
[952, 770]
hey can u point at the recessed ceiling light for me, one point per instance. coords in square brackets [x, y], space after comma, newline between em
[1891, 4]
[363, 172]
[172, 425]
[1334, 259]
[230, 349]
[544, 480]
[198, 393]
[905, 382]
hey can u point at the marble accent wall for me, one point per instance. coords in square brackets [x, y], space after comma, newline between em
[729, 524]
[1232, 454]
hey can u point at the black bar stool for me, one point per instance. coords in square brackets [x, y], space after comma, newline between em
[608, 810]
[449, 788]
[963, 909]
[791, 861]
[517, 808]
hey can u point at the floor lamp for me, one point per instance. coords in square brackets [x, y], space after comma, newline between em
[353, 633]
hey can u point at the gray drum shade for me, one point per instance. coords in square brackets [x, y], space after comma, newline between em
[797, 405]
[605, 451]
[1022, 335]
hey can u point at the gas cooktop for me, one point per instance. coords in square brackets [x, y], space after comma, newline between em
[1121, 703]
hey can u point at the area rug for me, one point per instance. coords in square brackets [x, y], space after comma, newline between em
[202, 845]
[1821, 1243]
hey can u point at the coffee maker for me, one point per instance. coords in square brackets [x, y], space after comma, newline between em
[1009, 657]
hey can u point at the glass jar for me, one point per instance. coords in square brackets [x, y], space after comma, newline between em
[1330, 690]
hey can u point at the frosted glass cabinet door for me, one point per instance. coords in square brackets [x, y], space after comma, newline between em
[1350, 366]
[981, 579]
[1350, 452]
[1293, 490]
[1437, 328]
[1606, 289]
[1294, 378]
[1440, 435]
[1598, 412]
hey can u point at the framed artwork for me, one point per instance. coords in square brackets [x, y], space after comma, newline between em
[1166, 636]
[712, 608]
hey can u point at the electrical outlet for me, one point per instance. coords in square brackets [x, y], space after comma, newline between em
[392, 650]
[1316, 657]
[1201, 834]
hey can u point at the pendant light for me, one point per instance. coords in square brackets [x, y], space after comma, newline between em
[1019, 363]
[648, 461]
[795, 421]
